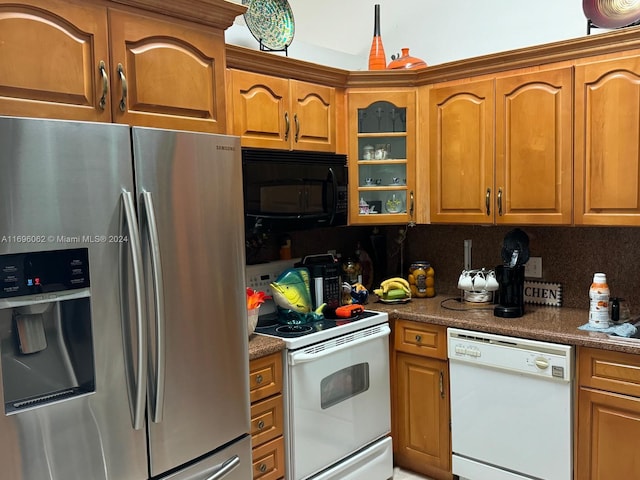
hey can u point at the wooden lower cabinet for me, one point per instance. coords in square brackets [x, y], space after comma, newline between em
[267, 417]
[421, 412]
[608, 419]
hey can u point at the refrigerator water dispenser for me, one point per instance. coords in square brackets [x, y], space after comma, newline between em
[46, 340]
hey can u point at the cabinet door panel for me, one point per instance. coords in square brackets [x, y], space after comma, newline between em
[174, 74]
[533, 148]
[313, 116]
[461, 152]
[50, 53]
[422, 409]
[607, 152]
[608, 429]
[259, 106]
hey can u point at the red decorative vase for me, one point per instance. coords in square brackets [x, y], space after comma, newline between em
[377, 58]
[406, 61]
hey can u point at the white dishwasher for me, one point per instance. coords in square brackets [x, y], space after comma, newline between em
[511, 407]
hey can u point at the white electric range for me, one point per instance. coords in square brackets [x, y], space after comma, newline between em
[336, 396]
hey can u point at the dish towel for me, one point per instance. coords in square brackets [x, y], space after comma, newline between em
[622, 330]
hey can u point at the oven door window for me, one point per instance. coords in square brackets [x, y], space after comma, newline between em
[344, 384]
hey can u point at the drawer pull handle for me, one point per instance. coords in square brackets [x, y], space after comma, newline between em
[418, 338]
[259, 379]
[260, 424]
[262, 467]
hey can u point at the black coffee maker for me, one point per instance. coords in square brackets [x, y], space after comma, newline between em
[510, 275]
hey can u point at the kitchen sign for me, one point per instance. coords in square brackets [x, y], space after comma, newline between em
[543, 293]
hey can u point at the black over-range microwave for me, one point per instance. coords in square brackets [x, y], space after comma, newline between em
[289, 190]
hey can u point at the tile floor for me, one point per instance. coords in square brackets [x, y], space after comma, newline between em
[399, 474]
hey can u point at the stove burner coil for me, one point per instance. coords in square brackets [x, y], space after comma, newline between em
[299, 329]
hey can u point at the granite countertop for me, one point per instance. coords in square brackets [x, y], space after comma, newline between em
[549, 324]
[261, 346]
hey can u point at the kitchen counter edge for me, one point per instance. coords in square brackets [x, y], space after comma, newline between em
[544, 323]
[261, 346]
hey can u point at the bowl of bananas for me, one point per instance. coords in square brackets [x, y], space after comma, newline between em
[394, 290]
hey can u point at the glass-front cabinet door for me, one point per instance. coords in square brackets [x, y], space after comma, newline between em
[381, 156]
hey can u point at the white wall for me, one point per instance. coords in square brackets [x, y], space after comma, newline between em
[338, 33]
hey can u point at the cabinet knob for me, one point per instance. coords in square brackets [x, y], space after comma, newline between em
[418, 338]
[260, 424]
[262, 467]
[259, 379]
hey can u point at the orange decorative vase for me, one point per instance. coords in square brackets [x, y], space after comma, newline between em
[377, 58]
[406, 61]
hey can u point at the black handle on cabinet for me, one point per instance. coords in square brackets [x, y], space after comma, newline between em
[287, 125]
[105, 85]
[441, 384]
[297, 123]
[487, 201]
[500, 201]
[123, 79]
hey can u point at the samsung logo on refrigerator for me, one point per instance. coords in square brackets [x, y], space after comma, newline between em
[225, 147]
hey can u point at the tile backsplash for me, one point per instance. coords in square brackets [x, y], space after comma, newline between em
[570, 255]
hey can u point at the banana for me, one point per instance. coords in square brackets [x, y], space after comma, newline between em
[395, 279]
[397, 294]
[395, 285]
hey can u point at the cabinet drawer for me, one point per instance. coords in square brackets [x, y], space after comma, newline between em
[266, 420]
[268, 460]
[421, 339]
[611, 371]
[265, 377]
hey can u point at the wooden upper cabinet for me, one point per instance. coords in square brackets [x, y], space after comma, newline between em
[533, 179]
[314, 116]
[500, 149]
[167, 74]
[382, 156]
[461, 133]
[273, 112]
[50, 53]
[607, 151]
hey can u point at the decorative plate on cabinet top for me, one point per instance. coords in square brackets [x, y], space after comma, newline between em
[612, 13]
[270, 22]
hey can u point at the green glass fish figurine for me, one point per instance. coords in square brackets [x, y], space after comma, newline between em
[292, 294]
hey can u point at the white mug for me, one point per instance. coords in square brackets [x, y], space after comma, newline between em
[479, 282]
[465, 282]
[492, 282]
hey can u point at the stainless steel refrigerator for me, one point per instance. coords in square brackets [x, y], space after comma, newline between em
[123, 334]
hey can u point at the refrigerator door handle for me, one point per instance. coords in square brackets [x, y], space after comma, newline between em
[156, 267]
[226, 468]
[137, 385]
